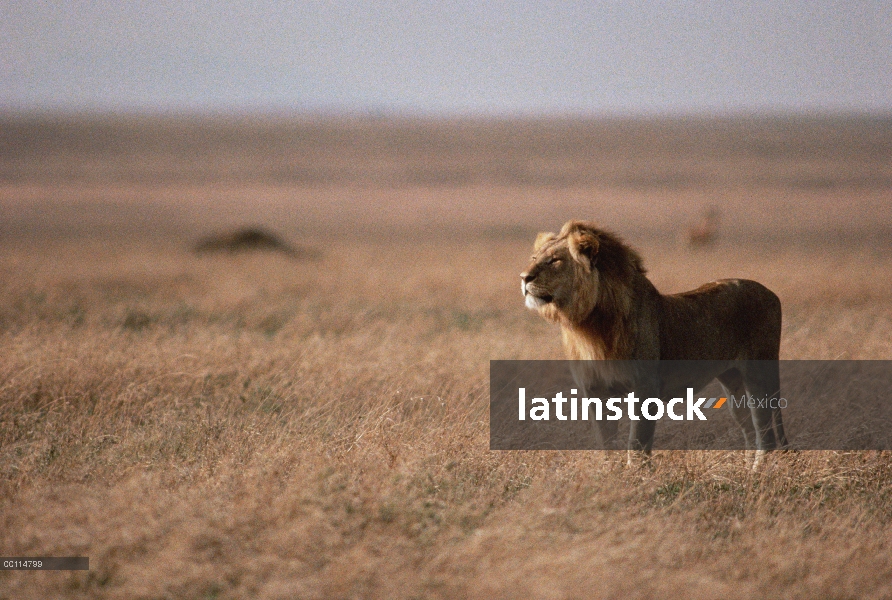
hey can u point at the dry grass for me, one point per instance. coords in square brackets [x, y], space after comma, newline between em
[254, 426]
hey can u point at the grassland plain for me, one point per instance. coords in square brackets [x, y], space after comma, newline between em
[250, 425]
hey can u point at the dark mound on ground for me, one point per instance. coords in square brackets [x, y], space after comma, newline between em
[249, 239]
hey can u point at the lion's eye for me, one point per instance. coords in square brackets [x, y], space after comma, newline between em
[553, 261]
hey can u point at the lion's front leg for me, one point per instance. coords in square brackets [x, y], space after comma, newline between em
[606, 434]
[641, 441]
[587, 385]
[641, 430]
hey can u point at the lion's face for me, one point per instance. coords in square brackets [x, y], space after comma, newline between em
[561, 279]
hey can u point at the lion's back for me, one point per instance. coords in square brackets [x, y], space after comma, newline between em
[725, 319]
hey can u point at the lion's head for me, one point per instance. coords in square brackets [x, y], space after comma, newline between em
[576, 270]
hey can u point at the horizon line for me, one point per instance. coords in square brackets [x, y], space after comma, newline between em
[397, 115]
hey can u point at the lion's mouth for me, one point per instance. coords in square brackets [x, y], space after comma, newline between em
[534, 300]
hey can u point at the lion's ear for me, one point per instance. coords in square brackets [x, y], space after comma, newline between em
[583, 247]
[542, 239]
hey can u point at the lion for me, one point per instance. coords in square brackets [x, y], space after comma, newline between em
[591, 283]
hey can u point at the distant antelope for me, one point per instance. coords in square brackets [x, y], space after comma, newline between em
[705, 232]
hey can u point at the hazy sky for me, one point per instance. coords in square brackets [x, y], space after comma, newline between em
[454, 57]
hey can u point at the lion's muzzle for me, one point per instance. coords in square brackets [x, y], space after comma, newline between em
[533, 298]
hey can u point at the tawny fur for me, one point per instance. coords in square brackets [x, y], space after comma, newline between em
[608, 309]
[595, 287]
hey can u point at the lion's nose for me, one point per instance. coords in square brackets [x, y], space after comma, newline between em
[527, 277]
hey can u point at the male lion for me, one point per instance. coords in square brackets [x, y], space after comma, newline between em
[594, 285]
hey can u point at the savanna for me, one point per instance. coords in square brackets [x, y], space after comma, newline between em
[311, 425]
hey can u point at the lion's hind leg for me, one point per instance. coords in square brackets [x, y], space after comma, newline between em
[779, 428]
[762, 381]
[732, 384]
